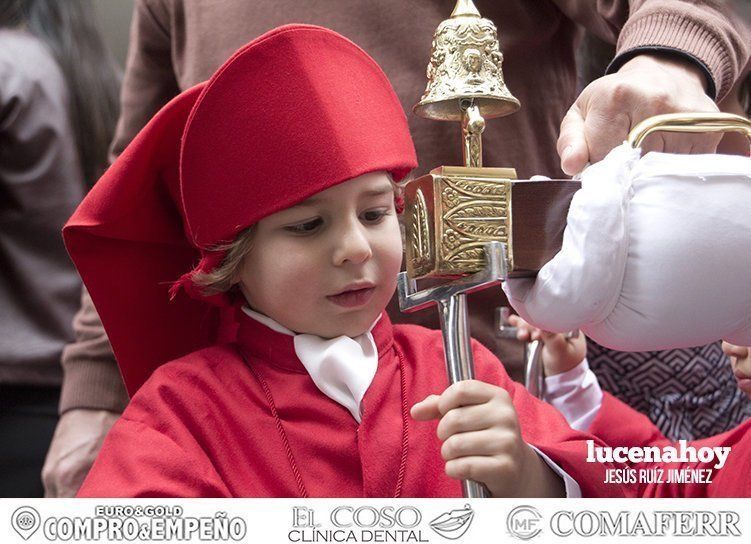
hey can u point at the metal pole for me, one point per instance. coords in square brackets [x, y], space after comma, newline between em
[457, 346]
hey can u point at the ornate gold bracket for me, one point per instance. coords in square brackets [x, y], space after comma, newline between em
[451, 214]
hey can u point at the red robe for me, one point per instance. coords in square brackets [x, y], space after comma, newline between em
[620, 425]
[245, 419]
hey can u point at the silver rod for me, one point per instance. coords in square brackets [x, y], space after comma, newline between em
[534, 372]
[456, 339]
[457, 346]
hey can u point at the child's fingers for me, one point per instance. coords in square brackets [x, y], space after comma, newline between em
[514, 320]
[478, 443]
[473, 418]
[556, 344]
[731, 350]
[525, 331]
[522, 329]
[482, 469]
[426, 409]
[466, 393]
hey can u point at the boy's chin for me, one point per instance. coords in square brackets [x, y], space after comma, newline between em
[353, 326]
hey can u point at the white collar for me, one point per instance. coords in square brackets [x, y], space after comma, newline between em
[342, 368]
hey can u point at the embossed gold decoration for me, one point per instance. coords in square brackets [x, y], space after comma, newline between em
[419, 248]
[465, 64]
[451, 213]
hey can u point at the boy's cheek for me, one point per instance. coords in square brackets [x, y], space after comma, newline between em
[392, 251]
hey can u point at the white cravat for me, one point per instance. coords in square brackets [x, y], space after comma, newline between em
[342, 368]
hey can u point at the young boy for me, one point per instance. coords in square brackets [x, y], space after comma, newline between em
[279, 172]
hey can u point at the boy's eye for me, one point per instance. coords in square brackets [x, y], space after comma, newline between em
[305, 227]
[375, 216]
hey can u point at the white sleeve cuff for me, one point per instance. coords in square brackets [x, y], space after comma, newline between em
[573, 491]
[576, 394]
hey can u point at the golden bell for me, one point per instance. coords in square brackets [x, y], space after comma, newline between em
[465, 64]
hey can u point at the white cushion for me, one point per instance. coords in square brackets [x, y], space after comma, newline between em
[656, 254]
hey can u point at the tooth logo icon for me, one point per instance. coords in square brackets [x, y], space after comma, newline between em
[452, 525]
[25, 521]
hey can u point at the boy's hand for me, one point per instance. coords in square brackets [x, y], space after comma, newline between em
[482, 441]
[560, 354]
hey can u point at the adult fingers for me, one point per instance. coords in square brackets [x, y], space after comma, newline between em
[572, 142]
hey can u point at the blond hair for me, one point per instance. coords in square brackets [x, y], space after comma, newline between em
[223, 277]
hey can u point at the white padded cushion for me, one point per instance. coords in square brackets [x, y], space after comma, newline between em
[656, 254]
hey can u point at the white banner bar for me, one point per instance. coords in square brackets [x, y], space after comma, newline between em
[285, 521]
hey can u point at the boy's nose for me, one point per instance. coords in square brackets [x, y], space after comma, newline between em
[352, 246]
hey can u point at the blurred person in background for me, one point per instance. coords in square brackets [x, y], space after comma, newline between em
[58, 108]
[671, 55]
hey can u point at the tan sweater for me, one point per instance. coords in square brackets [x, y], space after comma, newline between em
[178, 43]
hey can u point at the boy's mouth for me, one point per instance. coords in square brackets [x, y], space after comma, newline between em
[353, 295]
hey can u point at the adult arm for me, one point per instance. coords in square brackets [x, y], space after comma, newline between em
[671, 56]
[149, 81]
[93, 396]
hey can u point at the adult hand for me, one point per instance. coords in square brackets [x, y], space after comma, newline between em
[609, 107]
[75, 444]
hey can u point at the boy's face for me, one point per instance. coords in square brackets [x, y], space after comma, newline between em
[327, 266]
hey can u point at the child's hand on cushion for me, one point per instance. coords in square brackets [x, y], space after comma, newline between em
[482, 441]
[561, 352]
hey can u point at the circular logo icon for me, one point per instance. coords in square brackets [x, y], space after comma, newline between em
[524, 522]
[25, 520]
